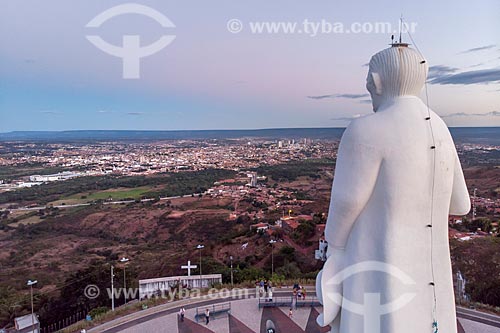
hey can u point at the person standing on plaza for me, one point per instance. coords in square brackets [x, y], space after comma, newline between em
[182, 312]
[207, 316]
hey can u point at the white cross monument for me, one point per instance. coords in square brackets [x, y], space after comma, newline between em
[188, 267]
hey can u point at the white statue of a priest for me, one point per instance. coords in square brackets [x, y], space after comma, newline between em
[397, 178]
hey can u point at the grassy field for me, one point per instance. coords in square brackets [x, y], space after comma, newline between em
[26, 220]
[116, 194]
[23, 170]
[23, 217]
[118, 187]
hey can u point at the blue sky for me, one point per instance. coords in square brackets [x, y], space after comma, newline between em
[53, 78]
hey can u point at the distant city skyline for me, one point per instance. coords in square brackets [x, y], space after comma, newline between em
[213, 76]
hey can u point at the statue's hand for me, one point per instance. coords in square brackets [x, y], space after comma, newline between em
[329, 287]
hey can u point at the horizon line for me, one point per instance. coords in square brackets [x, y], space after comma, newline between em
[201, 130]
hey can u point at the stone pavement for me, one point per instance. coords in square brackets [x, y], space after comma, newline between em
[470, 326]
[245, 317]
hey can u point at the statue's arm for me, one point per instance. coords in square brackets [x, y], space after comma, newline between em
[356, 172]
[460, 199]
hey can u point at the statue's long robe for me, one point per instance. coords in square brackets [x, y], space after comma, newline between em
[385, 187]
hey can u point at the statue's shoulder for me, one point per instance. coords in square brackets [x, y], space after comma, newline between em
[440, 127]
[364, 129]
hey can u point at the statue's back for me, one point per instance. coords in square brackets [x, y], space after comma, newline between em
[396, 180]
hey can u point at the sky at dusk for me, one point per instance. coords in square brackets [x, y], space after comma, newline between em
[53, 78]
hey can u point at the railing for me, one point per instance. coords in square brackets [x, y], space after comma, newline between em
[55, 326]
[480, 317]
[215, 310]
[288, 301]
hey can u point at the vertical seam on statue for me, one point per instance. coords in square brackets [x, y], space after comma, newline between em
[434, 310]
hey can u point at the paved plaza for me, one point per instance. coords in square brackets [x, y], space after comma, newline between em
[246, 317]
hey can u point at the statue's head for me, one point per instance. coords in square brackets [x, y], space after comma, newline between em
[396, 71]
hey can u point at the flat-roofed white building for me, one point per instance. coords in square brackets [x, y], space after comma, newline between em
[27, 324]
[160, 286]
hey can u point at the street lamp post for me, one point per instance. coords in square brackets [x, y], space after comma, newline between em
[231, 258]
[272, 241]
[112, 289]
[124, 261]
[30, 284]
[474, 205]
[200, 247]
